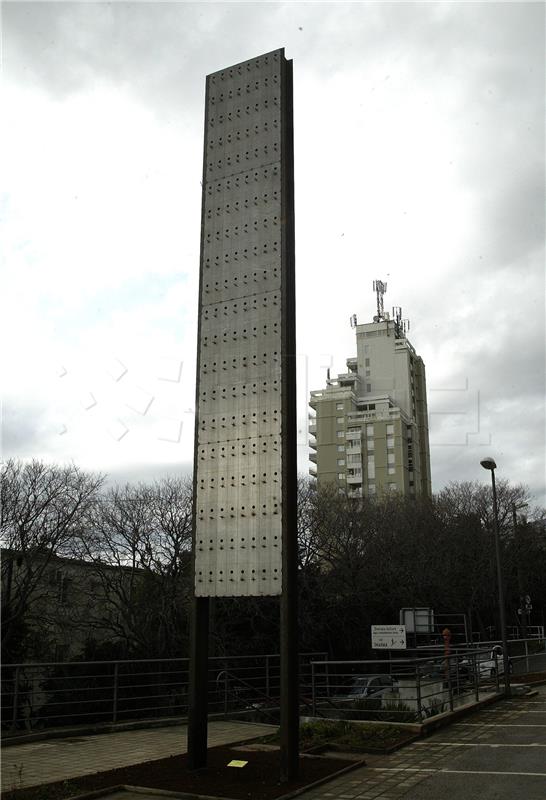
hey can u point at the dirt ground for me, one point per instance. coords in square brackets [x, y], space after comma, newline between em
[259, 779]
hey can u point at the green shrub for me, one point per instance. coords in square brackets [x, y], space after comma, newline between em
[396, 711]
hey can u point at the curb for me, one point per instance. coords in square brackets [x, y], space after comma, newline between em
[191, 796]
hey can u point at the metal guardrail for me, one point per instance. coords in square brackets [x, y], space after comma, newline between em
[46, 695]
[412, 689]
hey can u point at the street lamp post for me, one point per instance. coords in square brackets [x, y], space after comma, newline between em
[489, 463]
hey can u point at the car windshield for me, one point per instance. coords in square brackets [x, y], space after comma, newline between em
[372, 684]
[359, 685]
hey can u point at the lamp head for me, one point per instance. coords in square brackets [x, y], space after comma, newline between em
[488, 463]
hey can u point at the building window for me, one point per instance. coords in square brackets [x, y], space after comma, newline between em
[340, 434]
[371, 488]
[339, 406]
[371, 471]
[366, 362]
[353, 458]
[372, 406]
[369, 430]
[341, 448]
[392, 487]
[391, 470]
[390, 430]
[390, 458]
[62, 586]
[368, 387]
[341, 462]
[341, 476]
[370, 444]
[390, 442]
[340, 420]
[368, 373]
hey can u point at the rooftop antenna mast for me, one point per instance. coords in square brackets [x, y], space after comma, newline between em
[380, 289]
[401, 326]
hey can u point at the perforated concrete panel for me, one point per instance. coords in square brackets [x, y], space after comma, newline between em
[245, 382]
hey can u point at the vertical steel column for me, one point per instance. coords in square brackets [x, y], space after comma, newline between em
[15, 699]
[289, 598]
[267, 678]
[500, 587]
[197, 710]
[115, 697]
[418, 693]
[313, 690]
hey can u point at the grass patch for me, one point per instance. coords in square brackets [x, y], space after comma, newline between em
[348, 736]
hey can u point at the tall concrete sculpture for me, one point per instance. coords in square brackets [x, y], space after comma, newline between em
[245, 434]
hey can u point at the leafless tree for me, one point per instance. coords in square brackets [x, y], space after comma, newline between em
[139, 547]
[43, 508]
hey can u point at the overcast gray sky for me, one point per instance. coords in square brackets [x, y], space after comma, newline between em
[419, 154]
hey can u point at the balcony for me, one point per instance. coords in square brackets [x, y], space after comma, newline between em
[354, 480]
[313, 472]
[312, 444]
[313, 457]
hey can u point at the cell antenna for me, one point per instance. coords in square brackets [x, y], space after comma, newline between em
[401, 326]
[380, 289]
[353, 321]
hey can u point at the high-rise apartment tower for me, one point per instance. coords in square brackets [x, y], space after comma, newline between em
[371, 423]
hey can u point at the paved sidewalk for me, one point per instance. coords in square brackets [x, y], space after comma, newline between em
[498, 753]
[57, 759]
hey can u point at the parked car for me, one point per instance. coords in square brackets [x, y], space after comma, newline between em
[488, 665]
[366, 686]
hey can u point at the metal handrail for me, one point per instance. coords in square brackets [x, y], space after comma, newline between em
[32, 695]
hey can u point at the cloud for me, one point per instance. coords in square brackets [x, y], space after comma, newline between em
[419, 136]
[22, 430]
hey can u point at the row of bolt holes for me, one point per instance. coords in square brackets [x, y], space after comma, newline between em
[256, 64]
[224, 184]
[246, 306]
[233, 484]
[236, 230]
[241, 577]
[250, 87]
[236, 136]
[222, 480]
[256, 251]
[242, 513]
[238, 112]
[231, 283]
[223, 420]
[233, 449]
[214, 340]
[236, 159]
[245, 362]
[236, 391]
[259, 275]
[237, 205]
